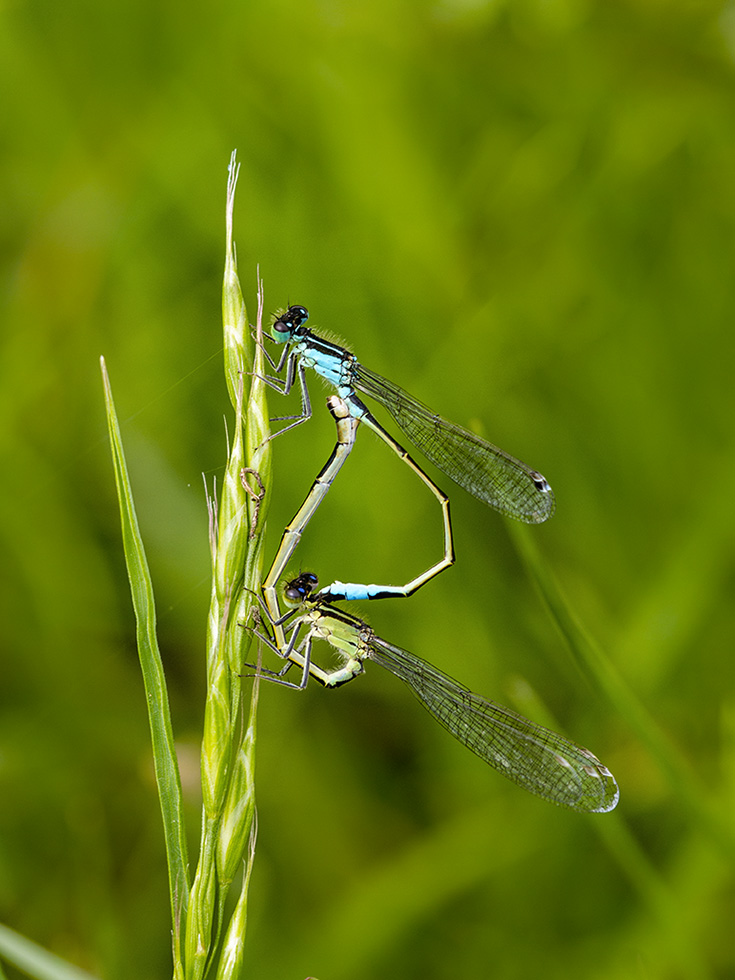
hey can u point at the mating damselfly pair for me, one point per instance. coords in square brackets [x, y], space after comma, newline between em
[536, 758]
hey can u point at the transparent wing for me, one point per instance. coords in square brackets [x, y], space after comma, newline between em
[482, 469]
[539, 760]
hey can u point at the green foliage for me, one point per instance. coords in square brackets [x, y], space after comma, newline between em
[520, 211]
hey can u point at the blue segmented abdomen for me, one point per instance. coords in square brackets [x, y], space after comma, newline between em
[350, 591]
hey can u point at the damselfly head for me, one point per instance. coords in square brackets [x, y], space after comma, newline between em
[286, 324]
[299, 589]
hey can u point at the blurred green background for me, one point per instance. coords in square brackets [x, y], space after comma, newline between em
[524, 213]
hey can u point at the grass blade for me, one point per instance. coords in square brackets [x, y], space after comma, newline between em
[36, 961]
[164, 754]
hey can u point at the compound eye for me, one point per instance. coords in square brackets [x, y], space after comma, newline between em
[287, 323]
[297, 315]
[301, 588]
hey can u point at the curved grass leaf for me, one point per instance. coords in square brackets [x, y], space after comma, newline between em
[159, 717]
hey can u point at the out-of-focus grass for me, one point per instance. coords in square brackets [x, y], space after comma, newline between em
[523, 213]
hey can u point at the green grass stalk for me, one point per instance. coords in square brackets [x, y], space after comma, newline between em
[236, 539]
[236, 530]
